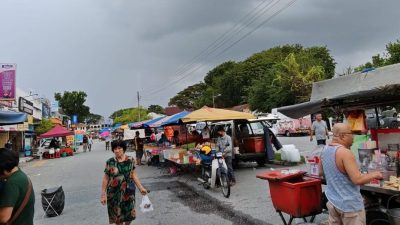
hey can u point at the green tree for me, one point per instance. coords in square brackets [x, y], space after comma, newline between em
[93, 118]
[156, 109]
[389, 57]
[291, 85]
[393, 51]
[187, 98]
[130, 115]
[232, 83]
[73, 103]
[44, 126]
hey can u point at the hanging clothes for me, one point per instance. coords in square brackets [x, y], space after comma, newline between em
[270, 139]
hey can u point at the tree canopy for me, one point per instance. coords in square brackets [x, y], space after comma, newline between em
[389, 57]
[275, 77]
[129, 115]
[44, 126]
[188, 98]
[93, 118]
[156, 109]
[73, 103]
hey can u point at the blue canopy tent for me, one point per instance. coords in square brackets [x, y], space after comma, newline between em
[10, 118]
[116, 126]
[145, 123]
[175, 119]
[106, 129]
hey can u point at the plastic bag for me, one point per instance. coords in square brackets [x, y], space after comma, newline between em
[146, 205]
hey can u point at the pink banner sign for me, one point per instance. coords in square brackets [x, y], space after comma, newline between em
[7, 82]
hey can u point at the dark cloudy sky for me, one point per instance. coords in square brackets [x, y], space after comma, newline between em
[113, 48]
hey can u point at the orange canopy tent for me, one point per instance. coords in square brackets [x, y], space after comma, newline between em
[215, 114]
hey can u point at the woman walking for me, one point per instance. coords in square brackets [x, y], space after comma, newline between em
[118, 187]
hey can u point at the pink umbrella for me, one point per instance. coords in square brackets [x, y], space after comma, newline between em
[105, 134]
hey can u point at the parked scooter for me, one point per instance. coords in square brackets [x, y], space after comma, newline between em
[214, 170]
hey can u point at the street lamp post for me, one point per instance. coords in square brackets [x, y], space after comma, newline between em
[213, 98]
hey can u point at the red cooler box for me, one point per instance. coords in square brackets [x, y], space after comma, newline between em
[294, 194]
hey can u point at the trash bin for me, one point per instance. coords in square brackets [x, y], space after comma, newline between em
[53, 200]
[294, 194]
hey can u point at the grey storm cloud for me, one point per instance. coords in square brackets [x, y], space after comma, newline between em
[113, 48]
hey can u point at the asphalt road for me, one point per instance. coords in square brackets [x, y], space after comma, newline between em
[177, 200]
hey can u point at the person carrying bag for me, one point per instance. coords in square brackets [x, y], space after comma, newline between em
[17, 197]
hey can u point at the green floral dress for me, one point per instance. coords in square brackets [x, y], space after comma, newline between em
[121, 206]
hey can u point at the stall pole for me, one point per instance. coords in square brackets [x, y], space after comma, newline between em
[187, 144]
[378, 123]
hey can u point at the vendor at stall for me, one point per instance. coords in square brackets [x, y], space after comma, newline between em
[343, 177]
[175, 139]
[163, 141]
[54, 143]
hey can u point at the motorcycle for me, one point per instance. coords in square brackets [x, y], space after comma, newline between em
[213, 171]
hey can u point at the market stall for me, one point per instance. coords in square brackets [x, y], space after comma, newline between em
[57, 132]
[367, 101]
[158, 152]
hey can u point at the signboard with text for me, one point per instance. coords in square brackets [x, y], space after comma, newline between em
[7, 81]
[46, 111]
[54, 106]
[25, 106]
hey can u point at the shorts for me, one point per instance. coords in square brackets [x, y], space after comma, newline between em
[338, 217]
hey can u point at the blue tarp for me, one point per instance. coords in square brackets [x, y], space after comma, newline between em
[9, 118]
[175, 119]
[145, 123]
[105, 129]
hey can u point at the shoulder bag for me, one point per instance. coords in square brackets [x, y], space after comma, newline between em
[23, 205]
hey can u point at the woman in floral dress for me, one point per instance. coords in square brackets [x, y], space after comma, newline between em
[118, 172]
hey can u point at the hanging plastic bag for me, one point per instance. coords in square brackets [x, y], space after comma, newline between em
[146, 205]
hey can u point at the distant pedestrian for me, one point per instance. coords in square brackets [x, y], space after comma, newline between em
[90, 143]
[85, 143]
[320, 129]
[17, 198]
[153, 136]
[8, 145]
[118, 186]
[108, 139]
[139, 148]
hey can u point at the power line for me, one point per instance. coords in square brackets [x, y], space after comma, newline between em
[223, 39]
[234, 43]
[218, 39]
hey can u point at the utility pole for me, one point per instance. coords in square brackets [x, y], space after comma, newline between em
[138, 103]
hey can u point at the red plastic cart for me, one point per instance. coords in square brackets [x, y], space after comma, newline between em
[294, 194]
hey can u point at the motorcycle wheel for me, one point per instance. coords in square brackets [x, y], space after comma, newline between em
[225, 186]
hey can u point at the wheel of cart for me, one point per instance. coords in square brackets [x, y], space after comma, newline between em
[294, 194]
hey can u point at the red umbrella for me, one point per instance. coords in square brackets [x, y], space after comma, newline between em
[57, 131]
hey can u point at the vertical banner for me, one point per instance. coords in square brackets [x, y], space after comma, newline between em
[7, 81]
[54, 106]
[74, 119]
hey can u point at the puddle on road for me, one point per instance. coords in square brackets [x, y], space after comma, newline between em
[201, 202]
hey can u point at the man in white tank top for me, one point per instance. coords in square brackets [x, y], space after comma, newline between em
[343, 178]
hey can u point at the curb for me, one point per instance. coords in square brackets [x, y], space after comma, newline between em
[26, 160]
